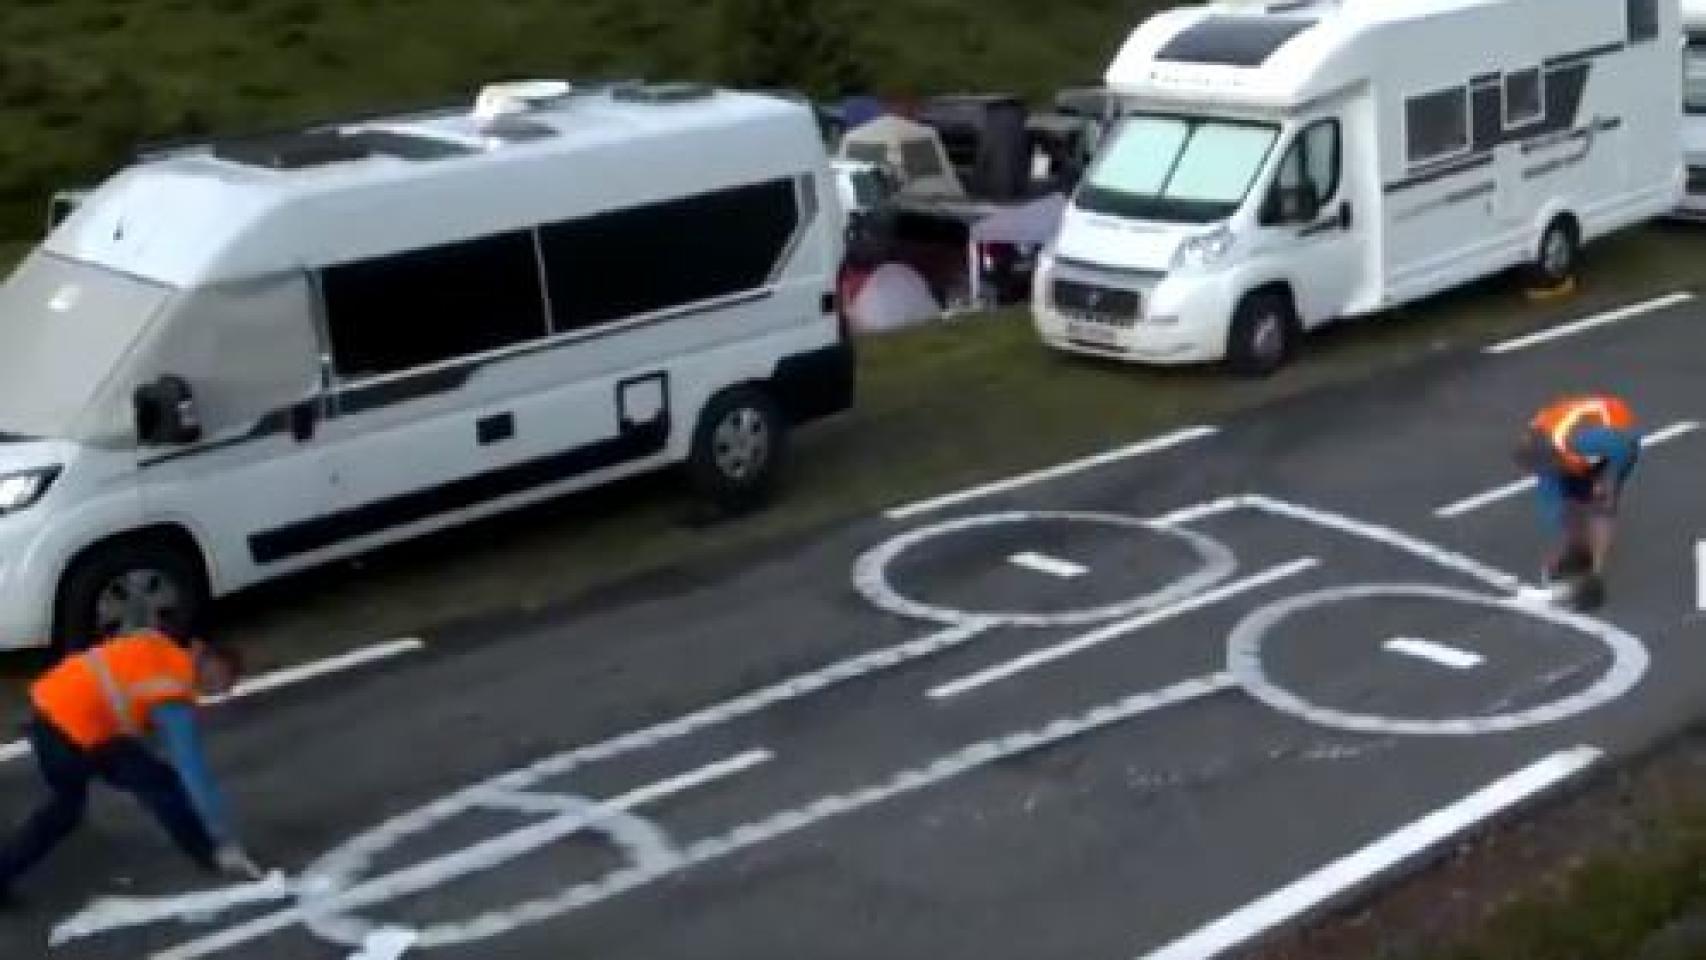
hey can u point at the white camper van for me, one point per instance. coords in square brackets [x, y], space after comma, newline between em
[239, 359]
[1277, 166]
[1694, 108]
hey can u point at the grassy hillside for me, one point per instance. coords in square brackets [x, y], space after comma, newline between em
[82, 81]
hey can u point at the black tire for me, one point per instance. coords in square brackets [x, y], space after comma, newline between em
[173, 594]
[1263, 337]
[738, 450]
[1557, 256]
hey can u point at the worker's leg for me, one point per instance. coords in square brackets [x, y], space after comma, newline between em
[66, 770]
[1560, 521]
[128, 765]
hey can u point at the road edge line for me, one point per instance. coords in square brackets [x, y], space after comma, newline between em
[1604, 318]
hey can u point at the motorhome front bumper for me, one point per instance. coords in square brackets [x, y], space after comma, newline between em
[1158, 322]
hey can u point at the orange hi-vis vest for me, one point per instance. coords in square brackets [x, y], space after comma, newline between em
[112, 690]
[1560, 419]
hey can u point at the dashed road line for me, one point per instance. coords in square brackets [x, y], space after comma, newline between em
[1053, 566]
[1592, 322]
[1341, 876]
[1154, 445]
[1060, 651]
[1445, 656]
[284, 677]
[1479, 500]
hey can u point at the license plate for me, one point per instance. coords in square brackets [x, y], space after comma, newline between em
[1093, 333]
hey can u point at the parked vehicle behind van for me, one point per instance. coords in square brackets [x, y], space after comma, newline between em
[235, 360]
[1279, 166]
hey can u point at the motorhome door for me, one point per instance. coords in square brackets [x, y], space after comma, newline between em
[1310, 206]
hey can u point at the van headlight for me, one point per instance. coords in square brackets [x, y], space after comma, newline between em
[20, 490]
[1204, 249]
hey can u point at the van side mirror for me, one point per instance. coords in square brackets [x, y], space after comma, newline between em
[166, 413]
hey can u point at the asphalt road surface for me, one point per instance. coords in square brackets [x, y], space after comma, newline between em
[1151, 706]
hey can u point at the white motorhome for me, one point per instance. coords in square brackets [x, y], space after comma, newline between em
[239, 359]
[1278, 166]
[1694, 108]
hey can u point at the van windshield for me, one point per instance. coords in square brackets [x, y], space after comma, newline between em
[64, 326]
[1191, 169]
[1694, 75]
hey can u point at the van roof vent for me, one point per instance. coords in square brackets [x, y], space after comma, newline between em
[500, 107]
[661, 92]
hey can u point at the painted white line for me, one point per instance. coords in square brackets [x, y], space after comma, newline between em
[1060, 651]
[1340, 876]
[1439, 653]
[718, 847]
[386, 943]
[1700, 575]
[18, 749]
[1589, 323]
[1461, 507]
[1053, 566]
[1195, 512]
[1049, 473]
[519, 801]
[319, 668]
[483, 856]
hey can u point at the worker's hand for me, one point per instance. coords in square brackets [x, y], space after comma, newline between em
[233, 861]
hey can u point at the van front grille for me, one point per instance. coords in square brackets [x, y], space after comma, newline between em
[1096, 303]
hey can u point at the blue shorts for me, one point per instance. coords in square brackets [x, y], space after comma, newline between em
[1559, 490]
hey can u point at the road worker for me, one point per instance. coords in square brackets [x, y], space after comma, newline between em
[90, 716]
[1581, 450]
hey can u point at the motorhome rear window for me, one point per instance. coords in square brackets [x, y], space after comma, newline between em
[1233, 41]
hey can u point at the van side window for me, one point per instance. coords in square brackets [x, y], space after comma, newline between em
[1436, 125]
[1523, 101]
[1643, 20]
[660, 256]
[431, 305]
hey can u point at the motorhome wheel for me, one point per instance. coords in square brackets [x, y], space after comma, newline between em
[127, 586]
[1261, 339]
[1558, 252]
[737, 449]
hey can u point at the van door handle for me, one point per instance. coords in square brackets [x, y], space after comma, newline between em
[1345, 215]
[495, 428]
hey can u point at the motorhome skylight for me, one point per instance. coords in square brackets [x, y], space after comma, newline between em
[1233, 41]
[313, 148]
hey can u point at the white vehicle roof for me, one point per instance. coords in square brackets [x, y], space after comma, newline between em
[1276, 55]
[1694, 14]
[238, 209]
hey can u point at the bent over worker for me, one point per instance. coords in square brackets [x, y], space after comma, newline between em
[91, 714]
[1581, 450]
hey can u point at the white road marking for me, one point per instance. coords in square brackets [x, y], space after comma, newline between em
[1589, 323]
[1199, 511]
[574, 815]
[733, 841]
[1053, 566]
[1340, 876]
[1700, 575]
[1461, 507]
[386, 943]
[1153, 445]
[1439, 653]
[1060, 651]
[284, 677]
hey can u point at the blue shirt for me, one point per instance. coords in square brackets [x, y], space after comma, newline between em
[182, 742]
[1618, 448]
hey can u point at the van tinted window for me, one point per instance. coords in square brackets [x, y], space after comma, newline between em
[432, 305]
[1643, 20]
[1436, 124]
[658, 256]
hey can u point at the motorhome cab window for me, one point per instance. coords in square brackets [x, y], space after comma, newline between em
[433, 305]
[1176, 168]
[1310, 168]
[1436, 125]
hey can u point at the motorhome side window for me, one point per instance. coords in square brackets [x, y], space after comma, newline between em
[646, 259]
[1308, 175]
[1436, 125]
[1694, 75]
[1643, 20]
[1522, 96]
[432, 305]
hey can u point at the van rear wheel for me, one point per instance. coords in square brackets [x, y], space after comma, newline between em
[126, 586]
[1263, 335]
[1555, 260]
[738, 449]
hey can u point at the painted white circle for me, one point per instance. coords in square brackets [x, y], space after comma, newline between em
[1244, 662]
[870, 573]
[643, 843]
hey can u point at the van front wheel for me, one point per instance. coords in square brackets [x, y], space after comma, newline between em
[126, 586]
[738, 448]
[1263, 335]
